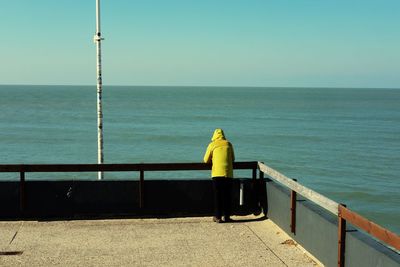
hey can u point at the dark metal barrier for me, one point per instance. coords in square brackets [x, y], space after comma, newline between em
[141, 168]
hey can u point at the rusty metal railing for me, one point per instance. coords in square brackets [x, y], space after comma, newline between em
[344, 214]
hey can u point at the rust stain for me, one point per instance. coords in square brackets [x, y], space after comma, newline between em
[289, 242]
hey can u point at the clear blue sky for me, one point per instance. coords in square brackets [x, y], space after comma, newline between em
[209, 42]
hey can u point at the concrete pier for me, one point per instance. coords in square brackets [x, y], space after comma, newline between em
[195, 241]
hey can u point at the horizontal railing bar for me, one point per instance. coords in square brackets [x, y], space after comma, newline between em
[117, 167]
[317, 198]
[370, 227]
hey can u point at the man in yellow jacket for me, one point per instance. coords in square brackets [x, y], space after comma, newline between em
[220, 154]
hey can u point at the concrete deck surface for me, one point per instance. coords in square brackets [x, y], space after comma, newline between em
[249, 241]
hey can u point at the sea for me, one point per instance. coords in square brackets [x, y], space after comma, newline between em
[341, 142]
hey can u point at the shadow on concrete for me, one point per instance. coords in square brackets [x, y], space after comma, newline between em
[263, 218]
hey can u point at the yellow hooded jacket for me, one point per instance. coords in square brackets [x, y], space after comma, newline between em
[220, 153]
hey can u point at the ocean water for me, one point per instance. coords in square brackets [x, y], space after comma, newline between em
[343, 143]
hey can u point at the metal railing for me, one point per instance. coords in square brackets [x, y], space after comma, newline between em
[344, 214]
[118, 167]
[138, 167]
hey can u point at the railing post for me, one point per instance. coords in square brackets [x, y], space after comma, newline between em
[256, 190]
[293, 199]
[141, 189]
[262, 191]
[341, 237]
[254, 176]
[22, 192]
[261, 175]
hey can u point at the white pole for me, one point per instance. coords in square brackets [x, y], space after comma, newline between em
[97, 39]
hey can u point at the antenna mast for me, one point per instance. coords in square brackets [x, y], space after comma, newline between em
[97, 39]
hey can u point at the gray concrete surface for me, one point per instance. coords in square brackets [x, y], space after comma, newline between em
[249, 241]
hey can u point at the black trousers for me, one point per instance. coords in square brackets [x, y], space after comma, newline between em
[222, 196]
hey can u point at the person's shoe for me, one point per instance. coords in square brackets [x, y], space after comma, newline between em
[217, 220]
[227, 219]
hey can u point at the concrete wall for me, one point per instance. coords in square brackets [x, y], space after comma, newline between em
[44, 199]
[317, 232]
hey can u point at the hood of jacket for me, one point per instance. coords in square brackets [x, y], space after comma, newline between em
[218, 135]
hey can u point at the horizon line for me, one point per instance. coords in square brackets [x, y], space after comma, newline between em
[207, 86]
